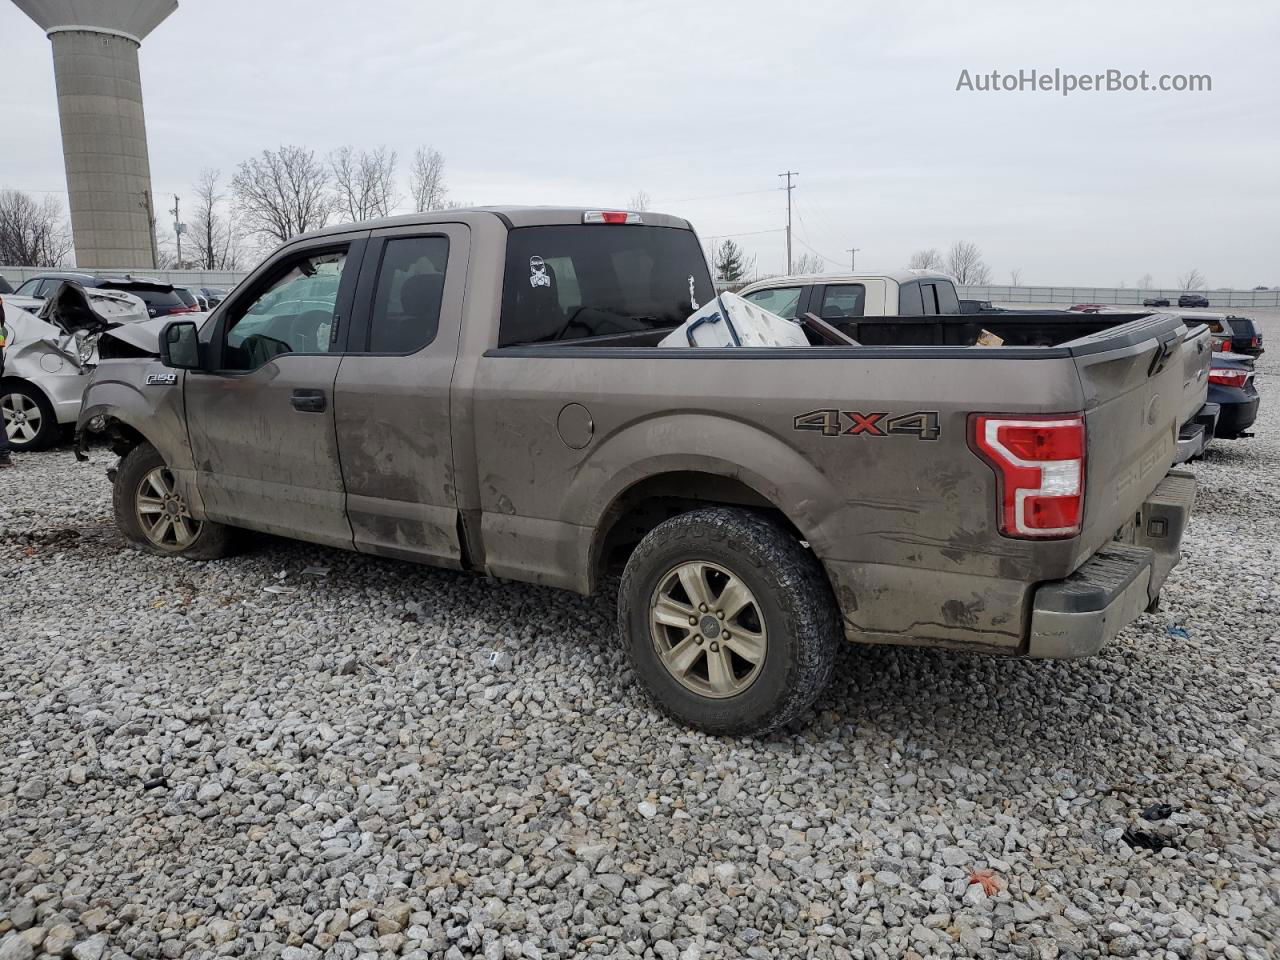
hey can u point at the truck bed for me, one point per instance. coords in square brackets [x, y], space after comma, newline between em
[1068, 333]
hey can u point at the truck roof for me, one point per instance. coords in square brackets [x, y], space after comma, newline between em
[512, 216]
[898, 276]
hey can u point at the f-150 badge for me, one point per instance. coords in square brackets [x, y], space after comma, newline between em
[923, 424]
[157, 378]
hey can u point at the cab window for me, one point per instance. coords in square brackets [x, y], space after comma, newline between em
[910, 303]
[293, 314]
[406, 302]
[843, 300]
[948, 302]
[784, 301]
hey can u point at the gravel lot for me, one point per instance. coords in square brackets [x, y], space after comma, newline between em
[244, 758]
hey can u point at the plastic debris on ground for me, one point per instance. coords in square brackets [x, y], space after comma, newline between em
[1157, 812]
[731, 321]
[1145, 839]
[1176, 631]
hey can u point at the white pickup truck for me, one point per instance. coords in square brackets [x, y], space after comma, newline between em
[845, 298]
[900, 293]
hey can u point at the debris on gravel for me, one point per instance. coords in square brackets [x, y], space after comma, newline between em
[390, 760]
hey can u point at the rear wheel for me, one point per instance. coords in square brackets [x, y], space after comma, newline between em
[28, 416]
[152, 511]
[729, 621]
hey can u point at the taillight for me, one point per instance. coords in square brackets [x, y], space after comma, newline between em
[1226, 345]
[1229, 378]
[1253, 342]
[611, 216]
[1039, 465]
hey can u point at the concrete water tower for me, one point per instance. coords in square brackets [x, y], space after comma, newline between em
[104, 137]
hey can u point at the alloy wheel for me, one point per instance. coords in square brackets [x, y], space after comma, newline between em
[708, 629]
[22, 417]
[163, 513]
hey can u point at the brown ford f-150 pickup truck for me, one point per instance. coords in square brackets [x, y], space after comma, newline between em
[482, 389]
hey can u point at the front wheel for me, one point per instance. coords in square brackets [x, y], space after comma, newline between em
[28, 417]
[152, 512]
[729, 621]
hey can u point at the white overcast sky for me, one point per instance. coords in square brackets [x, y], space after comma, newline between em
[703, 104]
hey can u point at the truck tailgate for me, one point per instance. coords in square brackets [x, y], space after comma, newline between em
[1132, 379]
[1197, 353]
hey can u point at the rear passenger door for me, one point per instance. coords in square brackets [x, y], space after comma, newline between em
[391, 396]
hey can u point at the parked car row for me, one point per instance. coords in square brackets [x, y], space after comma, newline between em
[162, 299]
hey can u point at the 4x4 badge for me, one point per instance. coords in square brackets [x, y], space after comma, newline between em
[922, 424]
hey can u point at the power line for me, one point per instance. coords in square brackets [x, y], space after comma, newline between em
[714, 196]
[804, 228]
[751, 233]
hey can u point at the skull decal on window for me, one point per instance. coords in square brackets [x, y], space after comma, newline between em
[538, 276]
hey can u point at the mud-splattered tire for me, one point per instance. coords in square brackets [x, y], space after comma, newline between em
[152, 514]
[729, 622]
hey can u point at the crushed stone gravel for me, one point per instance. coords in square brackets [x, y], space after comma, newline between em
[387, 760]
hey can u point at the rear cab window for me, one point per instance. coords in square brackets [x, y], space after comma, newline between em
[577, 281]
[406, 302]
[948, 302]
[910, 303]
[1242, 327]
[784, 301]
[840, 301]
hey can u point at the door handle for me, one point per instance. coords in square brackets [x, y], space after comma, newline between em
[308, 401]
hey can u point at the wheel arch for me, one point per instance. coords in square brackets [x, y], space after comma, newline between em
[708, 460]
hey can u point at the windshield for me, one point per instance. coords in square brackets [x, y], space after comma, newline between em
[574, 281]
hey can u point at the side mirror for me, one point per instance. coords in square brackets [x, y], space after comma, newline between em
[180, 345]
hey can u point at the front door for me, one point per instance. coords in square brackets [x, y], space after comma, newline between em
[391, 399]
[261, 421]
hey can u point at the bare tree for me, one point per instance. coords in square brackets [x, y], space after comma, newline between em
[1193, 279]
[426, 180]
[964, 262]
[639, 201]
[929, 259]
[809, 263]
[283, 193]
[364, 183]
[32, 234]
[211, 235]
[1015, 277]
[1145, 281]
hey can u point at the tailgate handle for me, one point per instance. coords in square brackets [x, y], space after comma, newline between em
[1162, 355]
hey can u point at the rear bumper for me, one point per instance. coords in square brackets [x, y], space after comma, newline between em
[1196, 433]
[1237, 417]
[1077, 616]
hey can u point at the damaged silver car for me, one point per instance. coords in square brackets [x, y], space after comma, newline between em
[50, 355]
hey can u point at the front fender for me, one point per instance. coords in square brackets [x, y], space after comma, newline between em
[119, 391]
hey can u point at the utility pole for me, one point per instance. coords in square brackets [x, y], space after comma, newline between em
[853, 258]
[789, 174]
[177, 227]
